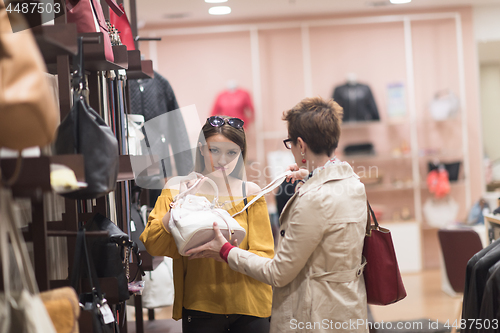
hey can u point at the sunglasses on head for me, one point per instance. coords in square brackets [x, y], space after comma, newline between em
[217, 121]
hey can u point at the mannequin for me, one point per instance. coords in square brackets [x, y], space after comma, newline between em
[232, 85]
[351, 78]
[356, 99]
[234, 102]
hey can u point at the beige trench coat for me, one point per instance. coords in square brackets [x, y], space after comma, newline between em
[317, 269]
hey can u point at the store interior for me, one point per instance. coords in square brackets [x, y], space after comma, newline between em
[410, 55]
[430, 67]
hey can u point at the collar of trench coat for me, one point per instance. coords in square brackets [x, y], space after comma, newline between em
[332, 172]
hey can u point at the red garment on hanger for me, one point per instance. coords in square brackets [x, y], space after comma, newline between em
[233, 104]
[438, 183]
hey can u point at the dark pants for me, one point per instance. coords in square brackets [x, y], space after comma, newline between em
[204, 322]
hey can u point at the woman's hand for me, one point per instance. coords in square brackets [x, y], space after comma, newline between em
[165, 220]
[212, 248]
[297, 173]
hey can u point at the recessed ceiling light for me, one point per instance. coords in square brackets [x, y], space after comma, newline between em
[219, 10]
[400, 1]
[215, 1]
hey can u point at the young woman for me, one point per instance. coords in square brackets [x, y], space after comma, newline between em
[209, 296]
[317, 270]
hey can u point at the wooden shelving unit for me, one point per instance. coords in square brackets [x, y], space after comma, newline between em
[139, 69]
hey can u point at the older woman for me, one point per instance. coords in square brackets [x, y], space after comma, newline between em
[317, 269]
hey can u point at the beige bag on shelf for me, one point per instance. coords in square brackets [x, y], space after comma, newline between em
[28, 113]
[21, 309]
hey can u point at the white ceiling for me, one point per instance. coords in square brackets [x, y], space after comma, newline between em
[180, 12]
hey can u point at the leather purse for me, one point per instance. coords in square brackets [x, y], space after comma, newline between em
[28, 110]
[89, 17]
[84, 132]
[107, 253]
[94, 305]
[383, 281]
[192, 217]
[63, 308]
[122, 24]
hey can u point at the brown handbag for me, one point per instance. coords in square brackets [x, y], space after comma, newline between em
[383, 281]
[63, 308]
[28, 111]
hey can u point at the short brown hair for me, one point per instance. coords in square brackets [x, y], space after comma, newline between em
[317, 122]
[234, 134]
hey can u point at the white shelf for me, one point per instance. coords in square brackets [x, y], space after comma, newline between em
[363, 124]
[378, 157]
[387, 187]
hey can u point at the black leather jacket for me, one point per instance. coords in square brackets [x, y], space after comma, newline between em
[152, 98]
[357, 101]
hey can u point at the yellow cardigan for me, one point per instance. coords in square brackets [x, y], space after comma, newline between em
[208, 285]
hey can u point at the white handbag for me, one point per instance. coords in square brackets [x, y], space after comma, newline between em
[192, 217]
[20, 310]
[159, 286]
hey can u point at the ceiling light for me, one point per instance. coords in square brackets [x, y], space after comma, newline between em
[400, 1]
[215, 1]
[219, 10]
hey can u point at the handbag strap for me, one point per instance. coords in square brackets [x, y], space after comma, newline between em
[114, 6]
[196, 185]
[268, 188]
[369, 226]
[10, 231]
[4, 251]
[82, 257]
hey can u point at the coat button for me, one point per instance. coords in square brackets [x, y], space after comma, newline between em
[282, 233]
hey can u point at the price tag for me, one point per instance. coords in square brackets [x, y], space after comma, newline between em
[107, 315]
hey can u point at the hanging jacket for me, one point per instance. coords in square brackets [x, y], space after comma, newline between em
[490, 306]
[234, 104]
[357, 101]
[476, 277]
[152, 98]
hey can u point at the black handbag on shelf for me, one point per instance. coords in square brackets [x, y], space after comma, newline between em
[137, 223]
[110, 254]
[84, 132]
[93, 302]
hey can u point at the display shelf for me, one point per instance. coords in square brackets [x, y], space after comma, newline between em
[456, 183]
[95, 58]
[74, 162]
[137, 68]
[121, 56]
[34, 177]
[377, 157]
[369, 123]
[386, 187]
[442, 154]
[125, 169]
[387, 223]
[55, 40]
